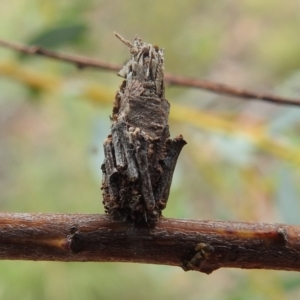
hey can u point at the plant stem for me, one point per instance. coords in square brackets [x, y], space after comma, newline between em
[86, 62]
[175, 242]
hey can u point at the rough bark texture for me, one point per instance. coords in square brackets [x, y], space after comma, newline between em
[140, 157]
[193, 245]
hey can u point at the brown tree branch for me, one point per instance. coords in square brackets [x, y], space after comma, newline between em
[85, 62]
[79, 61]
[194, 245]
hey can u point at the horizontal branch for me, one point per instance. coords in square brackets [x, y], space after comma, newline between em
[85, 62]
[79, 61]
[194, 245]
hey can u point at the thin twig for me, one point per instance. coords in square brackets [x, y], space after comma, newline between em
[198, 245]
[127, 43]
[79, 61]
[85, 62]
[224, 89]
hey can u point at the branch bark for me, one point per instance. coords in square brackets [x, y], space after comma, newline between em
[194, 245]
[219, 88]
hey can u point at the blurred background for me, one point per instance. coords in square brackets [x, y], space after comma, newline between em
[242, 161]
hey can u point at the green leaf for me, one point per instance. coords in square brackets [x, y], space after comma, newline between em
[287, 196]
[57, 36]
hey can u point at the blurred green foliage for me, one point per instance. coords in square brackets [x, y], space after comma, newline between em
[241, 161]
[58, 36]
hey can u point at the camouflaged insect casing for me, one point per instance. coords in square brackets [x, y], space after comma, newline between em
[140, 157]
